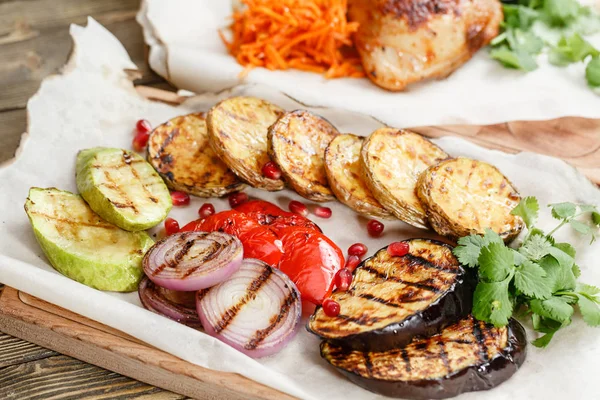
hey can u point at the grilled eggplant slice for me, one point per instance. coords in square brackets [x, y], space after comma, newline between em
[179, 151]
[344, 173]
[393, 299]
[237, 132]
[297, 143]
[465, 357]
[464, 196]
[122, 188]
[81, 245]
[392, 160]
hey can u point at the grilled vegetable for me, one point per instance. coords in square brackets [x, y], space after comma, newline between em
[464, 196]
[122, 188]
[392, 160]
[395, 298]
[178, 306]
[344, 173]
[188, 261]
[297, 143]
[237, 132]
[465, 357]
[257, 311]
[180, 153]
[81, 245]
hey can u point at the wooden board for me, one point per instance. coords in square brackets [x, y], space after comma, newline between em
[44, 324]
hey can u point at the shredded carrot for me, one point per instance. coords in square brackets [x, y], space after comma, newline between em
[309, 35]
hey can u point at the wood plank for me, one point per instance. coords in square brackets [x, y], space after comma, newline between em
[15, 351]
[62, 377]
[12, 125]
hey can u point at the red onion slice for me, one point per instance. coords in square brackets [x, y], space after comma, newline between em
[173, 305]
[256, 311]
[190, 261]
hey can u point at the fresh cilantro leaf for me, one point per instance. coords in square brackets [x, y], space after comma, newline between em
[576, 271]
[557, 276]
[564, 259]
[544, 341]
[517, 59]
[592, 72]
[528, 210]
[570, 50]
[468, 249]
[589, 310]
[495, 262]
[535, 247]
[529, 279]
[587, 207]
[556, 308]
[587, 22]
[492, 237]
[596, 218]
[563, 210]
[527, 42]
[519, 258]
[588, 290]
[580, 227]
[567, 248]
[560, 12]
[491, 302]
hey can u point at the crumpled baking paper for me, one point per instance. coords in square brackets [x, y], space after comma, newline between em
[186, 50]
[93, 103]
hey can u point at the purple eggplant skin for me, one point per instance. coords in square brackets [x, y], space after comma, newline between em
[474, 378]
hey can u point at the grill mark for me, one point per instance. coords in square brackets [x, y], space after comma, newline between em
[417, 260]
[144, 186]
[444, 356]
[170, 137]
[72, 222]
[119, 189]
[254, 287]
[118, 166]
[183, 251]
[159, 269]
[363, 320]
[419, 285]
[210, 253]
[368, 363]
[262, 334]
[368, 296]
[406, 360]
[480, 338]
[201, 294]
[121, 205]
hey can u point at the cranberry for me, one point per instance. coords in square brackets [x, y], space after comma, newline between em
[271, 170]
[140, 141]
[375, 228]
[343, 279]
[143, 126]
[323, 212]
[298, 208]
[180, 198]
[206, 210]
[331, 308]
[235, 199]
[398, 249]
[352, 262]
[171, 226]
[357, 249]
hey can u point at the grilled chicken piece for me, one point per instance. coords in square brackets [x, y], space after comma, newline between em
[465, 357]
[405, 41]
[392, 299]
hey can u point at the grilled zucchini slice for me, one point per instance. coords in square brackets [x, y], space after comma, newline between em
[344, 173]
[179, 151]
[297, 143]
[122, 188]
[237, 132]
[81, 245]
[392, 160]
[393, 299]
[464, 196]
[465, 357]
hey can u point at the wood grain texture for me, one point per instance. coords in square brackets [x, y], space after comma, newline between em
[15, 351]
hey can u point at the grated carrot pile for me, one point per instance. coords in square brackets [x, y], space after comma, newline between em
[310, 35]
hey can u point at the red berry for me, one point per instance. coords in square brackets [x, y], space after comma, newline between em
[271, 170]
[140, 141]
[143, 126]
[357, 249]
[343, 279]
[206, 210]
[375, 228]
[235, 199]
[398, 249]
[331, 308]
[180, 198]
[298, 208]
[171, 226]
[352, 262]
[323, 212]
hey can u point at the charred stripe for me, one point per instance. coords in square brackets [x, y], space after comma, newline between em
[444, 355]
[480, 338]
[122, 194]
[209, 253]
[406, 360]
[73, 222]
[417, 260]
[383, 276]
[260, 335]
[368, 296]
[368, 363]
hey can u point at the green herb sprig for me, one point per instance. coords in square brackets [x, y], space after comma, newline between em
[537, 278]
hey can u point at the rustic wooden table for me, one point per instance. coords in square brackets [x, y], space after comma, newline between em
[35, 43]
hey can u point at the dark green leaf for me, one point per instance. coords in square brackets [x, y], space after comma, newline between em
[528, 210]
[563, 210]
[543, 341]
[556, 308]
[564, 259]
[589, 310]
[530, 280]
[596, 218]
[535, 247]
[491, 303]
[592, 72]
[567, 248]
[580, 227]
[468, 249]
[570, 50]
[557, 276]
[495, 261]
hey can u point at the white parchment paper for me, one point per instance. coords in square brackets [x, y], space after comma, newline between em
[186, 50]
[94, 104]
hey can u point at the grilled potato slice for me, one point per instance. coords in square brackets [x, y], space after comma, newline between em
[465, 357]
[393, 299]
[179, 151]
[392, 160]
[81, 245]
[122, 188]
[237, 132]
[297, 143]
[464, 196]
[344, 173]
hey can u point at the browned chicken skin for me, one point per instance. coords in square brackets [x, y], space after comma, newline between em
[405, 41]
